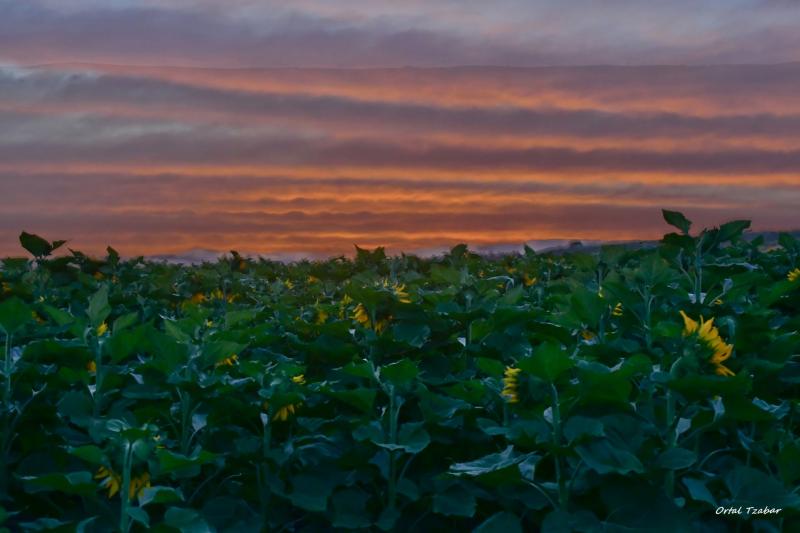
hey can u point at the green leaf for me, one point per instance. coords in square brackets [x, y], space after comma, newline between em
[490, 367]
[14, 314]
[548, 362]
[79, 483]
[587, 306]
[89, 453]
[413, 334]
[676, 459]
[124, 322]
[440, 406]
[240, 316]
[172, 462]
[361, 398]
[412, 437]
[788, 242]
[350, 509]
[788, 461]
[42, 524]
[214, 352]
[605, 458]
[455, 501]
[311, 492]
[99, 309]
[732, 230]
[139, 515]
[388, 518]
[701, 387]
[401, 372]
[173, 329]
[676, 219]
[502, 522]
[580, 426]
[489, 464]
[37, 246]
[186, 520]
[751, 487]
[563, 522]
[698, 491]
[113, 256]
[598, 388]
[159, 494]
[75, 406]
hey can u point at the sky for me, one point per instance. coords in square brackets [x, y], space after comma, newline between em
[301, 128]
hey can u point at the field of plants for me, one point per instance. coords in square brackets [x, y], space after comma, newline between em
[649, 388]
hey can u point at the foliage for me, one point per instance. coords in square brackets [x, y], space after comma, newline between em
[556, 391]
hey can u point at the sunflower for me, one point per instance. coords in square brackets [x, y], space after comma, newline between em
[793, 275]
[401, 294]
[709, 336]
[111, 480]
[198, 298]
[510, 391]
[361, 316]
[617, 310]
[137, 486]
[283, 413]
[228, 361]
[322, 316]
[300, 379]
[102, 329]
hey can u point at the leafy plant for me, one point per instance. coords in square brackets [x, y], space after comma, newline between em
[625, 389]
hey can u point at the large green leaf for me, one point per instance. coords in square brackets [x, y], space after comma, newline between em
[173, 462]
[99, 308]
[749, 487]
[413, 334]
[454, 501]
[676, 219]
[80, 483]
[400, 372]
[186, 520]
[350, 509]
[605, 458]
[495, 469]
[548, 362]
[502, 522]
[37, 246]
[14, 314]
[311, 492]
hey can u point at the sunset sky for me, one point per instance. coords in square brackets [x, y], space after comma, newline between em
[301, 128]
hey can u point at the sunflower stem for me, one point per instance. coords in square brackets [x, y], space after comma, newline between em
[394, 411]
[561, 481]
[7, 419]
[672, 431]
[7, 372]
[124, 492]
[99, 377]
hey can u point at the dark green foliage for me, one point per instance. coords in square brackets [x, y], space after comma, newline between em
[375, 394]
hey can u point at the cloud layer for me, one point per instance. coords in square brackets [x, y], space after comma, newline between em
[369, 33]
[286, 161]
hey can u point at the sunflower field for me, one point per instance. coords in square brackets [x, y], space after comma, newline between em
[646, 388]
